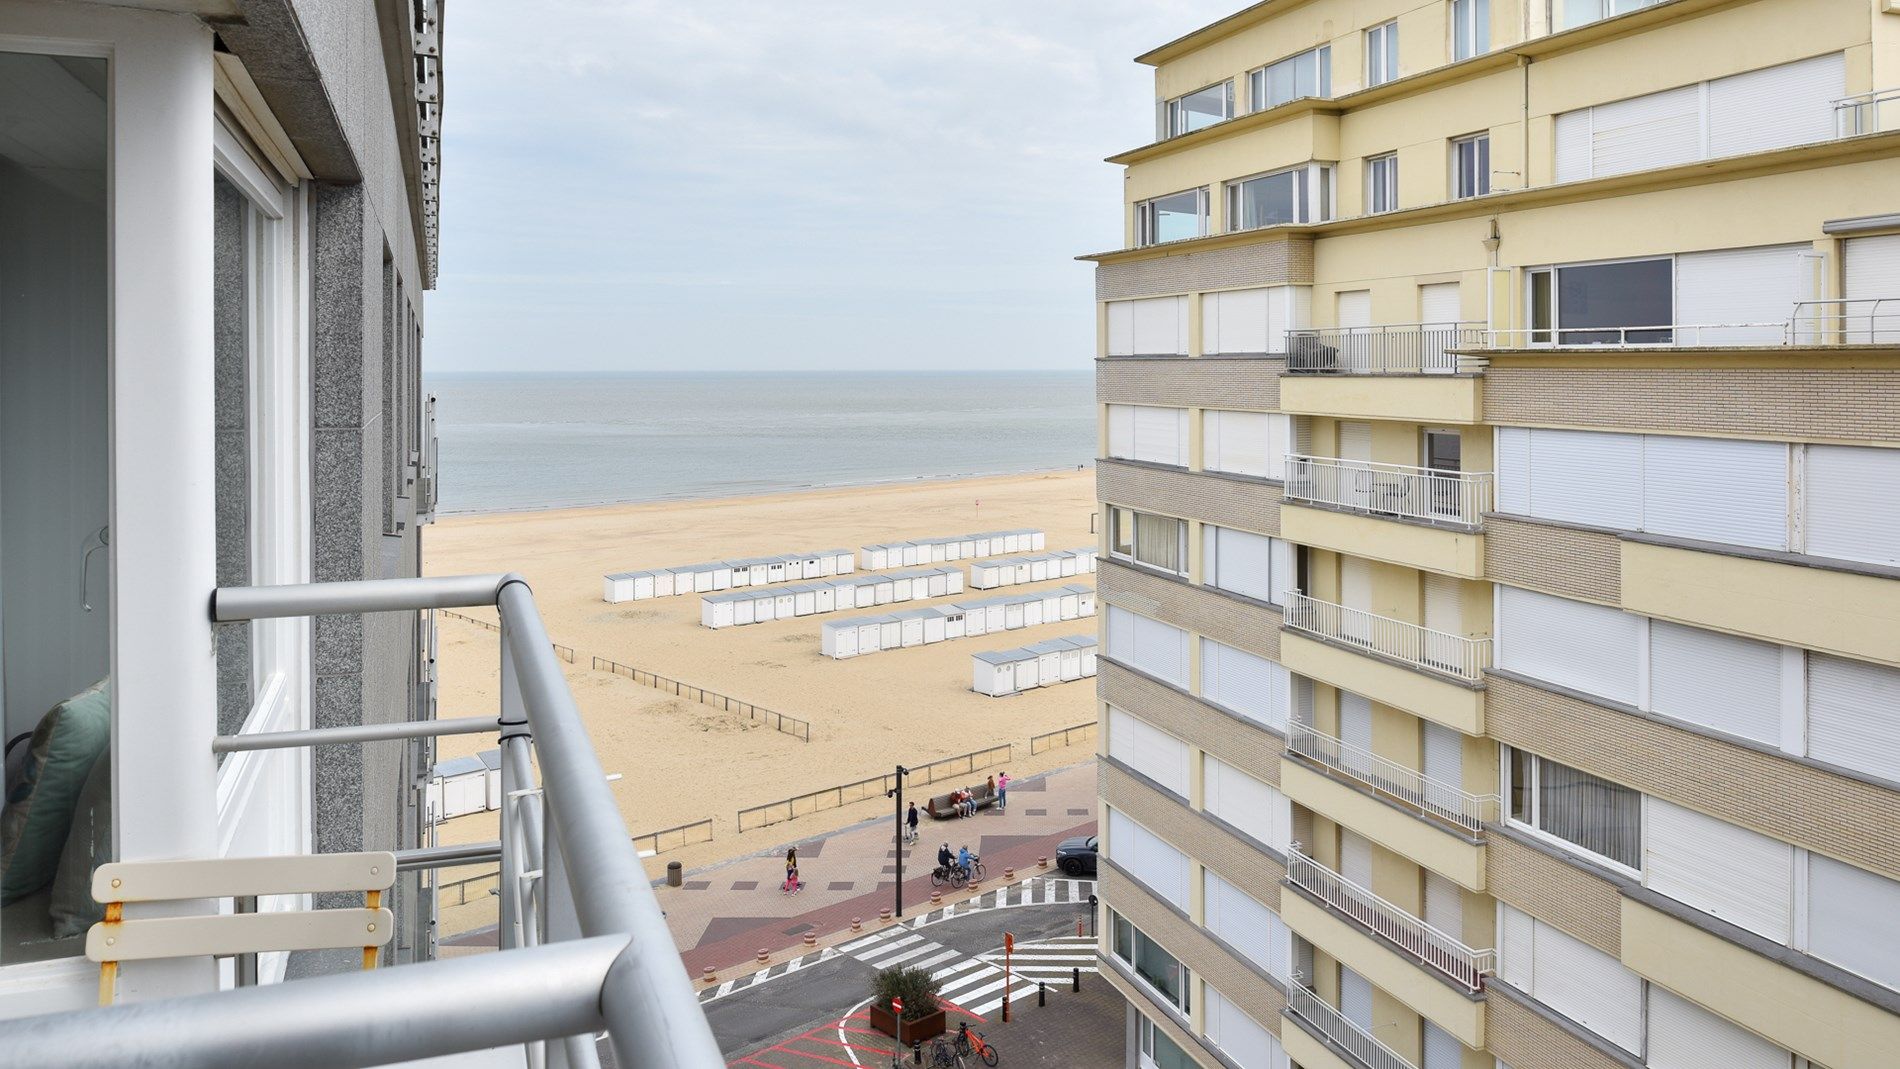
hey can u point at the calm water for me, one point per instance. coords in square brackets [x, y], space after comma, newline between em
[540, 441]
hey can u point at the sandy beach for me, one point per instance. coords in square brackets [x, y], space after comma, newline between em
[682, 761]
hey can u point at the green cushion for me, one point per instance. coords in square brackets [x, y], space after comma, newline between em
[89, 845]
[39, 810]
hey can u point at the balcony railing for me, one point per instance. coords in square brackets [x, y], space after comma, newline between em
[1846, 321]
[426, 493]
[1468, 811]
[1833, 321]
[1430, 947]
[1867, 113]
[1428, 495]
[1306, 1006]
[584, 947]
[1398, 349]
[1421, 647]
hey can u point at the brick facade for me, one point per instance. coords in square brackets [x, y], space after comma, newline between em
[1229, 501]
[1287, 261]
[1250, 383]
[1554, 891]
[1525, 1039]
[1820, 404]
[1557, 560]
[1229, 620]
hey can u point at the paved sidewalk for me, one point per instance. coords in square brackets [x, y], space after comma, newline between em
[723, 915]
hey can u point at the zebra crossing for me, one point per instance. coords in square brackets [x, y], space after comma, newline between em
[1049, 960]
[974, 985]
[1037, 891]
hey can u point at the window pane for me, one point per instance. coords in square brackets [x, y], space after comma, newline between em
[1201, 109]
[1158, 541]
[1176, 217]
[1267, 200]
[1540, 307]
[1325, 60]
[1600, 816]
[1520, 786]
[1614, 295]
[1124, 528]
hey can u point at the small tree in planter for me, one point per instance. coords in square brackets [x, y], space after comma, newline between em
[923, 1015]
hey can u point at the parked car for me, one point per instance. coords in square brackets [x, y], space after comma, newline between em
[1076, 856]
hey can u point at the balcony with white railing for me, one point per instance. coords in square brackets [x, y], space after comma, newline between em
[1414, 938]
[1814, 323]
[1396, 491]
[1442, 800]
[1420, 647]
[1312, 1013]
[1872, 112]
[584, 952]
[1395, 349]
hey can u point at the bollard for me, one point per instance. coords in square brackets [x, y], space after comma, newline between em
[1042, 993]
[1006, 1001]
[1009, 875]
[857, 924]
[976, 887]
[1075, 978]
[1078, 929]
[811, 940]
[674, 874]
[707, 975]
[916, 1052]
[936, 898]
[1042, 862]
[765, 955]
[884, 915]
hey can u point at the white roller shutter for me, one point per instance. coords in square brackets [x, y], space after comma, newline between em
[1244, 923]
[1355, 441]
[1789, 104]
[1718, 489]
[1255, 807]
[1355, 998]
[1250, 685]
[1148, 750]
[1854, 919]
[1239, 442]
[1121, 431]
[1516, 933]
[1590, 648]
[1573, 145]
[1355, 858]
[1242, 562]
[1355, 583]
[1444, 755]
[1283, 571]
[1444, 906]
[1646, 132]
[1160, 326]
[1438, 303]
[1121, 634]
[1717, 681]
[1586, 985]
[1514, 470]
[1354, 308]
[1279, 443]
[1683, 1035]
[1160, 435]
[1444, 604]
[1442, 1049]
[1871, 271]
[1160, 650]
[1754, 285]
[1587, 477]
[1355, 720]
[1854, 715]
[1121, 328]
[1740, 876]
[1149, 858]
[1852, 498]
[1245, 1041]
[1238, 321]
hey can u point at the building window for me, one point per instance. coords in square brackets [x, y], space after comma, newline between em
[1297, 195]
[1160, 1052]
[1197, 110]
[1600, 304]
[1382, 183]
[1382, 54]
[1471, 166]
[1168, 977]
[1586, 811]
[1470, 28]
[1309, 74]
[1574, 13]
[1171, 218]
[1157, 541]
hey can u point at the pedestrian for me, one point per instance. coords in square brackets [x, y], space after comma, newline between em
[1002, 791]
[792, 884]
[992, 786]
[910, 820]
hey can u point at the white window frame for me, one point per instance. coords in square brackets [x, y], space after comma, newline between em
[1313, 195]
[1480, 172]
[1505, 785]
[1382, 183]
[1382, 53]
[1145, 218]
[1159, 996]
[1322, 79]
[1556, 325]
[1172, 111]
[1470, 35]
[1134, 557]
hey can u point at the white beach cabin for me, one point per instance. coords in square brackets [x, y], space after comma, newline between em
[838, 639]
[993, 673]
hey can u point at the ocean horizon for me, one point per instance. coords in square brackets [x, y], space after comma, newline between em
[522, 441]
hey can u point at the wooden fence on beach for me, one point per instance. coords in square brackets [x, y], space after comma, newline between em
[844, 794]
[565, 653]
[790, 725]
[659, 842]
[1066, 737]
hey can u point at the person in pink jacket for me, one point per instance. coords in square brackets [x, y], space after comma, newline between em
[1002, 791]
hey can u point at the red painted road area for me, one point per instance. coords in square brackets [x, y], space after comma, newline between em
[836, 1043]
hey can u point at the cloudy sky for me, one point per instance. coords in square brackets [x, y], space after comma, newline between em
[823, 184]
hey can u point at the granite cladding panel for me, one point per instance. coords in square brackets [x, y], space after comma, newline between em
[1557, 560]
[1844, 818]
[1231, 621]
[1227, 501]
[1797, 404]
[1248, 383]
[1260, 263]
[1254, 750]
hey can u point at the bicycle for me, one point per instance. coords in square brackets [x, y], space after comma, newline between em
[944, 1056]
[953, 876]
[969, 1042]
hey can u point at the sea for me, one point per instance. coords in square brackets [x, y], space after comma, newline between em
[512, 442]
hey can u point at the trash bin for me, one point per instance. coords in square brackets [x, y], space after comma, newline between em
[674, 874]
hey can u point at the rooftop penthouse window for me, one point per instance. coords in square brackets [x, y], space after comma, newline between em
[1309, 74]
[1201, 108]
[1174, 217]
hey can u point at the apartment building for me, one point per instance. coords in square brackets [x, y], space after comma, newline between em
[1500, 460]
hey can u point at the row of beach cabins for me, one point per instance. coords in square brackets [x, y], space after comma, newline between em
[862, 635]
[740, 607]
[1000, 673]
[746, 572]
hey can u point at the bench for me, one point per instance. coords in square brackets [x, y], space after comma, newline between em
[942, 808]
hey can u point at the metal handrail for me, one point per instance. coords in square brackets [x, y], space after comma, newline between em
[1391, 349]
[1429, 946]
[614, 966]
[1860, 113]
[1845, 320]
[1648, 336]
[1430, 495]
[1421, 647]
[1468, 811]
[1305, 1005]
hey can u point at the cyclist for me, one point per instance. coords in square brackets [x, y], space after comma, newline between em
[945, 859]
[966, 861]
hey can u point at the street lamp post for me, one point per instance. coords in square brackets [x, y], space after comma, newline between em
[897, 792]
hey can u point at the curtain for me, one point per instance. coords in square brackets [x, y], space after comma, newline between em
[1158, 542]
[1594, 813]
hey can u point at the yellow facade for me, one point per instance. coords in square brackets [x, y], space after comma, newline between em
[1417, 325]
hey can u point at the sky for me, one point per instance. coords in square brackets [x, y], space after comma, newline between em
[815, 185]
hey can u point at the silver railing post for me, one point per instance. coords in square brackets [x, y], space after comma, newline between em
[514, 725]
